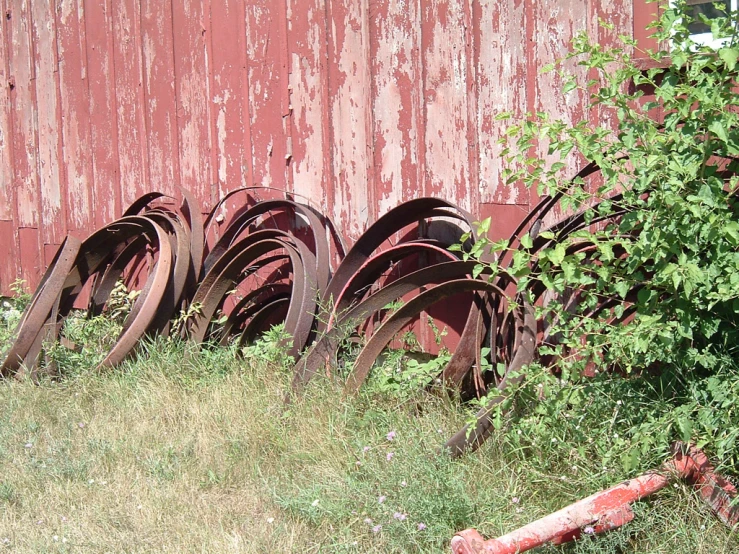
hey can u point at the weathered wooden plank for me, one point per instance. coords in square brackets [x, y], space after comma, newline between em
[556, 25]
[103, 123]
[395, 34]
[351, 116]
[445, 89]
[620, 16]
[51, 177]
[77, 157]
[24, 118]
[501, 77]
[161, 95]
[643, 15]
[309, 103]
[268, 93]
[190, 24]
[231, 143]
[132, 149]
[30, 256]
[9, 270]
[7, 196]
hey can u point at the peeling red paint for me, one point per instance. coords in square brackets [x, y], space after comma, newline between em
[353, 106]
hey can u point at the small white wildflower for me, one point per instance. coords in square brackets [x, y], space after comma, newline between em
[403, 484]
[270, 520]
[55, 538]
[618, 402]
[29, 445]
[314, 503]
[703, 527]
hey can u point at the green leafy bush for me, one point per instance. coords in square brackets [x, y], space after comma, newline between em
[660, 251]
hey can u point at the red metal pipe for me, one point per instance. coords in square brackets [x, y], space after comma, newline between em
[611, 508]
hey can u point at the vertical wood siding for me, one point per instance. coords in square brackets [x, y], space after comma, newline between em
[352, 105]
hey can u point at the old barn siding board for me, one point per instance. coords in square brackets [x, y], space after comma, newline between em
[396, 75]
[76, 135]
[229, 118]
[9, 269]
[133, 168]
[265, 40]
[160, 96]
[103, 128]
[351, 116]
[191, 22]
[309, 104]
[501, 51]
[554, 26]
[51, 178]
[7, 137]
[23, 115]
[445, 93]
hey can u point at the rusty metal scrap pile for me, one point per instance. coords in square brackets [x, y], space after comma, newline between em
[289, 265]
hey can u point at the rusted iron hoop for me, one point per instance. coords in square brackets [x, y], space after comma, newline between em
[393, 324]
[40, 307]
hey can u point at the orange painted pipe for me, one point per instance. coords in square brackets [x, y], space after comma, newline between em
[611, 508]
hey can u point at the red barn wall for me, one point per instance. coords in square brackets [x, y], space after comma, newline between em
[355, 105]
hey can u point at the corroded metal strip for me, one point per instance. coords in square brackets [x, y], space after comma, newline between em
[470, 437]
[384, 228]
[393, 324]
[40, 306]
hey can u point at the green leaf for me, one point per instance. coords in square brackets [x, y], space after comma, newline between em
[685, 426]
[729, 56]
[484, 226]
[526, 241]
[622, 288]
[717, 128]
[558, 254]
